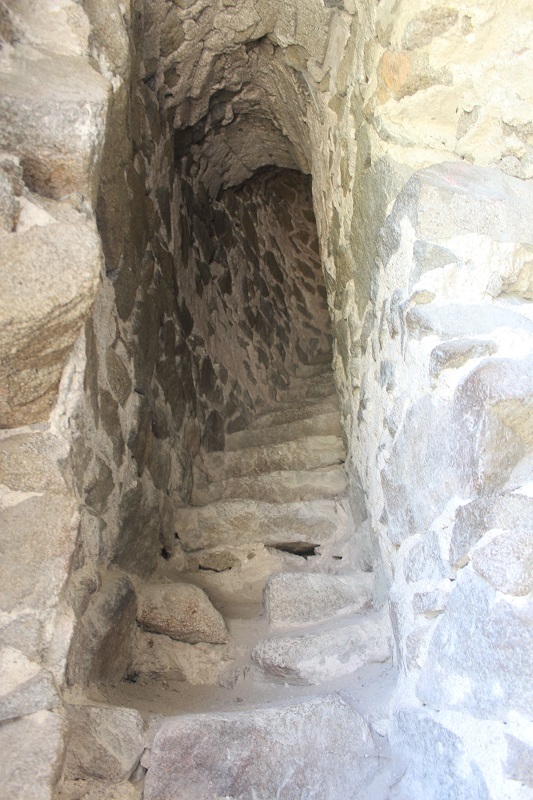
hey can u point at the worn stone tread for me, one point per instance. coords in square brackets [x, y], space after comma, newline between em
[188, 761]
[306, 598]
[285, 486]
[309, 452]
[237, 522]
[326, 652]
[284, 413]
[327, 424]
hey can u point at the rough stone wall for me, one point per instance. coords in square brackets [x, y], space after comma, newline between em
[252, 290]
[413, 120]
[53, 110]
[430, 326]
[418, 271]
[187, 336]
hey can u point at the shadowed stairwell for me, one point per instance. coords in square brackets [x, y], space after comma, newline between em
[258, 614]
[265, 400]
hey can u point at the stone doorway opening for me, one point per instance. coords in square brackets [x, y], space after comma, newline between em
[236, 564]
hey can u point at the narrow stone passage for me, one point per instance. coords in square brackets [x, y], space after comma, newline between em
[266, 379]
[262, 621]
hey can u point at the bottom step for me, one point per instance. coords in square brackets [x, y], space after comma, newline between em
[319, 748]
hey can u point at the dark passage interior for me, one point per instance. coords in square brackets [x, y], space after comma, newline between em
[225, 321]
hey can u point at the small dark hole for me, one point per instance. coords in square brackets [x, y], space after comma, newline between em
[132, 677]
[303, 549]
[166, 553]
[111, 272]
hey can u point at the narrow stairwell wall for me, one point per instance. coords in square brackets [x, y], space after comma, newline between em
[132, 135]
[207, 341]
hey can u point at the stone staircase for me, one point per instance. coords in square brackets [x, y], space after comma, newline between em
[261, 668]
[269, 528]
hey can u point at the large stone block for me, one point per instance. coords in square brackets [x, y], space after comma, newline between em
[198, 664]
[37, 544]
[419, 479]
[323, 655]
[299, 599]
[424, 561]
[275, 752]
[455, 353]
[24, 686]
[103, 639]
[181, 611]
[29, 463]
[473, 520]
[57, 266]
[480, 656]
[449, 199]
[104, 743]
[32, 756]
[506, 562]
[492, 415]
[455, 320]
[433, 760]
[54, 116]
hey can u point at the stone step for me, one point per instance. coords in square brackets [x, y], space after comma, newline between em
[288, 526]
[264, 753]
[321, 358]
[309, 598]
[293, 412]
[327, 424]
[302, 389]
[285, 486]
[309, 452]
[326, 653]
[310, 370]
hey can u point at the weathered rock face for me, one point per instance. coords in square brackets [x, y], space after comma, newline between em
[33, 751]
[152, 120]
[180, 611]
[37, 333]
[251, 268]
[253, 755]
[106, 743]
[295, 599]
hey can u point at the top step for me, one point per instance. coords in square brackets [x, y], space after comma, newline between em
[316, 388]
[311, 370]
[327, 424]
[292, 412]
